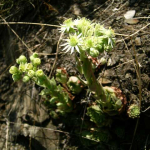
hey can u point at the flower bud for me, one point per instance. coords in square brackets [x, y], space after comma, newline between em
[21, 60]
[29, 66]
[36, 61]
[74, 85]
[26, 78]
[94, 52]
[31, 73]
[16, 77]
[34, 55]
[39, 73]
[13, 70]
[22, 67]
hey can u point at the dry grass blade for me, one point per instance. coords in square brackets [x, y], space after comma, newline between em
[56, 57]
[137, 68]
[31, 23]
[16, 35]
[134, 33]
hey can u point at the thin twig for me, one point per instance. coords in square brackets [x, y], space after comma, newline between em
[7, 133]
[109, 6]
[96, 9]
[31, 23]
[134, 133]
[56, 57]
[146, 109]
[141, 18]
[134, 33]
[113, 13]
[137, 68]
[16, 34]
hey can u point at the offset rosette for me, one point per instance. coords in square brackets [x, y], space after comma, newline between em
[134, 111]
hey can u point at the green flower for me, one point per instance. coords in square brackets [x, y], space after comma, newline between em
[31, 73]
[99, 30]
[68, 25]
[83, 25]
[16, 77]
[13, 70]
[21, 60]
[26, 79]
[73, 43]
[29, 66]
[33, 56]
[109, 33]
[22, 67]
[36, 61]
[39, 73]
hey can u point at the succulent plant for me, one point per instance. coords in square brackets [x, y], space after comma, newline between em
[97, 116]
[134, 111]
[30, 71]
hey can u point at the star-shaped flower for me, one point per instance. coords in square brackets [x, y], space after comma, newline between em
[73, 43]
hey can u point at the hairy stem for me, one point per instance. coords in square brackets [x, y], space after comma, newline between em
[92, 82]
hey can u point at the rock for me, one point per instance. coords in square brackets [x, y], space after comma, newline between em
[138, 41]
[76, 10]
[26, 106]
[46, 137]
[129, 14]
[113, 59]
[104, 81]
[131, 21]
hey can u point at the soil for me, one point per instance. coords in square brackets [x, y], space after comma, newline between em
[127, 68]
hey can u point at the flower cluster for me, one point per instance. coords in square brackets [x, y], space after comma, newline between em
[26, 71]
[92, 38]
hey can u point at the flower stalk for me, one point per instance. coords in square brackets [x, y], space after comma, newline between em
[89, 40]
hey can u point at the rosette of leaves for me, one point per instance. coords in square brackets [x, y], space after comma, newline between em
[98, 116]
[113, 103]
[134, 111]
